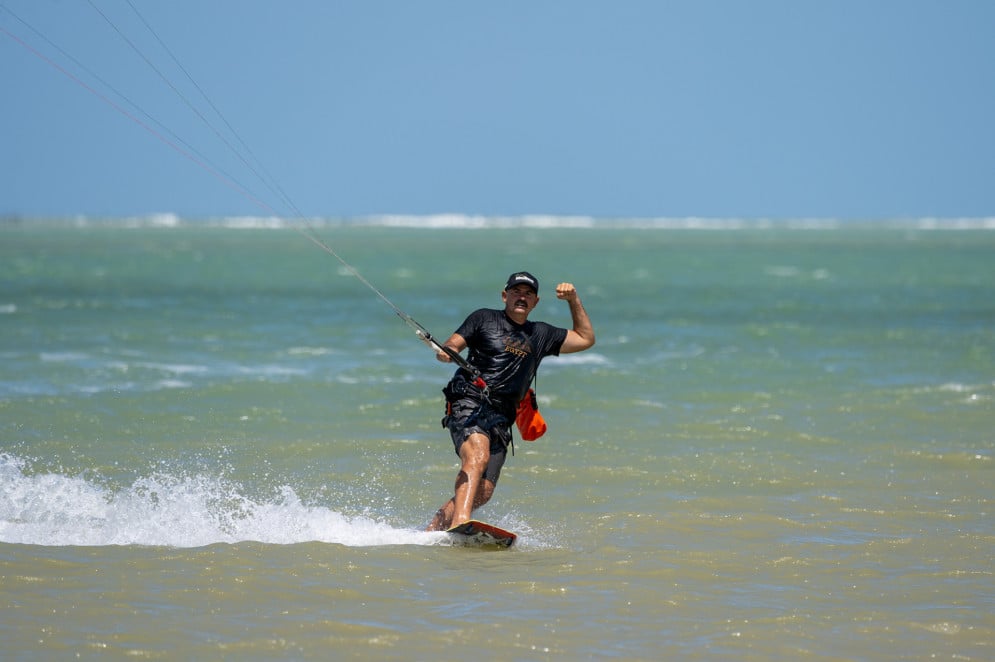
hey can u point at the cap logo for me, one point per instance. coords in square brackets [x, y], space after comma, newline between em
[522, 278]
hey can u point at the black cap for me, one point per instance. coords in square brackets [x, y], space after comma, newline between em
[522, 278]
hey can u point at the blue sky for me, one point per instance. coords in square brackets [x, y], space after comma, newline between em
[850, 109]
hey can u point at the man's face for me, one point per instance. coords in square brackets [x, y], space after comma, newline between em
[520, 300]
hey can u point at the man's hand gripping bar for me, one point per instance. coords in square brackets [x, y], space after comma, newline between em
[478, 381]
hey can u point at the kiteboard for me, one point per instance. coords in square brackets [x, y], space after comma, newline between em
[479, 534]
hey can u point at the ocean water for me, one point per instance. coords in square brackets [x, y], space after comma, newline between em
[217, 443]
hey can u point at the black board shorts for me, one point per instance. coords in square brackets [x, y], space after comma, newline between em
[468, 417]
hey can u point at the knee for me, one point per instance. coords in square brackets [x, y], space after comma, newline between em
[475, 453]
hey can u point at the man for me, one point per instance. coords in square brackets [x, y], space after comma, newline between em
[506, 350]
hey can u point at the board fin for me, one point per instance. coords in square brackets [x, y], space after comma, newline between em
[476, 533]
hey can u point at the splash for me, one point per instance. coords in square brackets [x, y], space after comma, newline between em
[162, 509]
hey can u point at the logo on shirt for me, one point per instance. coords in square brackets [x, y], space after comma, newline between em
[517, 347]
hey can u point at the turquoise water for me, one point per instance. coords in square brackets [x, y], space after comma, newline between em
[215, 442]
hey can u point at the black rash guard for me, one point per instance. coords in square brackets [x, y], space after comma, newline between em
[507, 354]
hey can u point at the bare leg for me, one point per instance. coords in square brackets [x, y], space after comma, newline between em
[444, 516]
[474, 453]
[472, 489]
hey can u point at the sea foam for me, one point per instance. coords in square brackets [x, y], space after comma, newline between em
[163, 509]
[459, 221]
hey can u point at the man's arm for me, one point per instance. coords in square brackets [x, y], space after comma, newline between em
[456, 343]
[580, 337]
